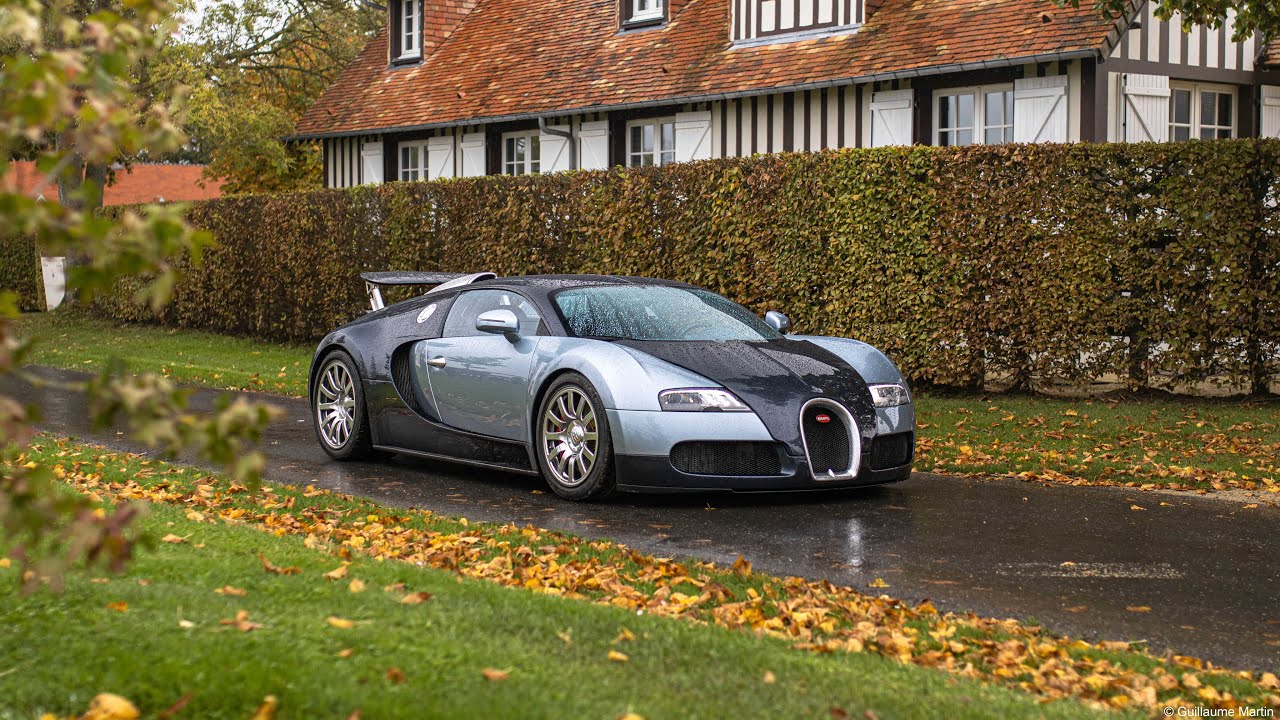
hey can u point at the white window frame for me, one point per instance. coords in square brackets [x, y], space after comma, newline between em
[411, 39]
[528, 166]
[1196, 126]
[640, 13]
[418, 149]
[979, 127]
[660, 156]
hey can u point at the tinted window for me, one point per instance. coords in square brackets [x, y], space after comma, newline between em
[474, 303]
[658, 313]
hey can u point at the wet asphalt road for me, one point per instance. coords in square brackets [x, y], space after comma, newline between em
[1073, 558]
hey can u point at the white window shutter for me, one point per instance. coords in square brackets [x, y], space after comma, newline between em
[473, 155]
[693, 136]
[1146, 108]
[371, 163]
[1270, 126]
[1040, 109]
[891, 118]
[440, 157]
[593, 145]
[554, 150]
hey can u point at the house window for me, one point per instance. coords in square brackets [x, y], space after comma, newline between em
[1201, 111]
[982, 115]
[651, 142]
[410, 29]
[521, 153]
[644, 10]
[413, 161]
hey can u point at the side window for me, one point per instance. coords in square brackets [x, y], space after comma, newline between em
[474, 303]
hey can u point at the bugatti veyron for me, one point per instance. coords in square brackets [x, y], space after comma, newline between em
[602, 383]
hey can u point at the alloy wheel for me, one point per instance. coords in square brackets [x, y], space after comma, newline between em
[570, 436]
[336, 404]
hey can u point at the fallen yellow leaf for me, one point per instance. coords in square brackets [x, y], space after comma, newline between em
[1136, 507]
[337, 573]
[769, 677]
[173, 539]
[1138, 608]
[266, 565]
[118, 606]
[618, 657]
[625, 636]
[395, 675]
[5, 562]
[878, 583]
[495, 675]
[415, 598]
[231, 591]
[241, 622]
[267, 710]
[346, 652]
[356, 586]
[341, 623]
[106, 706]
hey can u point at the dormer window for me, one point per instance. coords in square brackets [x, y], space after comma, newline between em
[642, 12]
[410, 30]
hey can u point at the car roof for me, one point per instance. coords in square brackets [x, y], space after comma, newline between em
[547, 284]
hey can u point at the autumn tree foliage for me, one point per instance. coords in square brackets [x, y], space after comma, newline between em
[252, 67]
[68, 98]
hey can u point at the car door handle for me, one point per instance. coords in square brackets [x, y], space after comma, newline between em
[438, 361]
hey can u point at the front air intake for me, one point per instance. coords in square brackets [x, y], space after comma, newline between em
[734, 458]
[832, 441]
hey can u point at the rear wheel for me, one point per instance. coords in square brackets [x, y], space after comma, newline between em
[575, 450]
[337, 407]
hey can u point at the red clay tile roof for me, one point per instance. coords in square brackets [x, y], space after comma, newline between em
[516, 57]
[140, 183]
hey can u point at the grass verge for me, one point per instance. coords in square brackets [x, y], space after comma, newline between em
[861, 646]
[1190, 444]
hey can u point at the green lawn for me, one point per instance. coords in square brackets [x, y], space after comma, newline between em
[157, 634]
[1193, 443]
[80, 342]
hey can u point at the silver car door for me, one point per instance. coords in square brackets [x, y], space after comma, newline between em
[480, 381]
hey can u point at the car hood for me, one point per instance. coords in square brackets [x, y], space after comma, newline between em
[775, 378]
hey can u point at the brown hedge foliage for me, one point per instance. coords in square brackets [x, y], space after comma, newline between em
[1035, 263]
[20, 271]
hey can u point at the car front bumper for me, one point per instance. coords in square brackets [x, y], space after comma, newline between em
[643, 443]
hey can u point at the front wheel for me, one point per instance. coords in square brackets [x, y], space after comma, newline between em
[337, 407]
[575, 450]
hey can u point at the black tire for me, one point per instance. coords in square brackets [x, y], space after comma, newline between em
[356, 443]
[599, 481]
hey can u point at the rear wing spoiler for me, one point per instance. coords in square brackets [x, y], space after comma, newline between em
[375, 281]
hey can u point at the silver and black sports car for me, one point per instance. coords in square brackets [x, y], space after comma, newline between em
[608, 383]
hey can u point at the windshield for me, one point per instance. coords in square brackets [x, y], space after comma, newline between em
[655, 312]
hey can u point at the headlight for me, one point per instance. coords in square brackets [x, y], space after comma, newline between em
[889, 395]
[701, 400]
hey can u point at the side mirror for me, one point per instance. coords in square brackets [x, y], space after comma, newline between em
[499, 322]
[777, 321]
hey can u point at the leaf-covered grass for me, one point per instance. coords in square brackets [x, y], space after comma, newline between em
[156, 634]
[77, 341]
[775, 612]
[1184, 442]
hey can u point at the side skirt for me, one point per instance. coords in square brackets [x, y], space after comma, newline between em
[460, 461]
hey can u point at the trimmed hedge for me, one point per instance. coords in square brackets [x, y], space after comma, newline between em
[1035, 263]
[20, 271]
